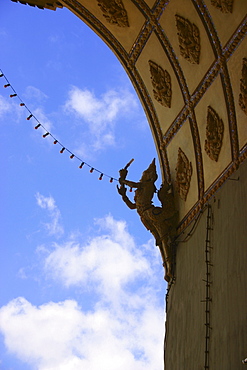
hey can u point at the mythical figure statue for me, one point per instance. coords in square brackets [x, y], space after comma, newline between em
[160, 221]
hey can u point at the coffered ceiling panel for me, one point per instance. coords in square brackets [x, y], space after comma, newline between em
[161, 82]
[212, 120]
[189, 40]
[237, 66]
[123, 22]
[150, 3]
[226, 16]
[182, 160]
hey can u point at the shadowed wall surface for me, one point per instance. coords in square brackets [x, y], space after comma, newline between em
[225, 299]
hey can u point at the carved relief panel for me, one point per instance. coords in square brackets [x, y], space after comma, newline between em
[243, 87]
[214, 134]
[223, 5]
[189, 39]
[183, 174]
[161, 82]
[114, 12]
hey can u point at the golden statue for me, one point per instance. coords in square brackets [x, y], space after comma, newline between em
[160, 221]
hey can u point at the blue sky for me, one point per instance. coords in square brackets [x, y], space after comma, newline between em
[81, 279]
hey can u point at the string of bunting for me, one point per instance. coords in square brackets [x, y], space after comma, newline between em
[38, 125]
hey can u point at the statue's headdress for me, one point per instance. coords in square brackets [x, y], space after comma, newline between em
[150, 173]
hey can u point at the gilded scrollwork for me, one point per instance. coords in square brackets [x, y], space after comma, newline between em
[183, 176]
[225, 6]
[189, 39]
[214, 134]
[114, 12]
[161, 81]
[243, 87]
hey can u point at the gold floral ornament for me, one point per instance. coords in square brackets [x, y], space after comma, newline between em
[189, 39]
[225, 6]
[183, 176]
[114, 12]
[214, 134]
[161, 82]
[243, 87]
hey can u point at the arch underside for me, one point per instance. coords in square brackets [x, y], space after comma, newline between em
[188, 63]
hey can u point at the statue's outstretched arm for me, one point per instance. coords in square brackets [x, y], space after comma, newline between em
[122, 191]
[128, 202]
[131, 184]
[123, 174]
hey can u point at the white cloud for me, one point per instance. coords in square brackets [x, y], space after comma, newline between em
[57, 336]
[43, 119]
[54, 227]
[37, 97]
[108, 261]
[123, 327]
[5, 106]
[99, 114]
[31, 332]
[33, 93]
[102, 110]
[9, 107]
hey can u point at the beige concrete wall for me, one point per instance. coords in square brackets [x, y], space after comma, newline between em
[186, 317]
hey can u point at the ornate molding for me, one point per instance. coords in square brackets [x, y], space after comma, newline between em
[152, 115]
[140, 42]
[189, 39]
[214, 134]
[198, 152]
[114, 12]
[161, 81]
[183, 175]
[172, 57]
[243, 87]
[230, 106]
[41, 4]
[236, 39]
[83, 13]
[159, 7]
[225, 6]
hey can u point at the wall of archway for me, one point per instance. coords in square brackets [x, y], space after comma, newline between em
[206, 310]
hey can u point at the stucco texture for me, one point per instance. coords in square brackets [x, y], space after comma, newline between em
[186, 318]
